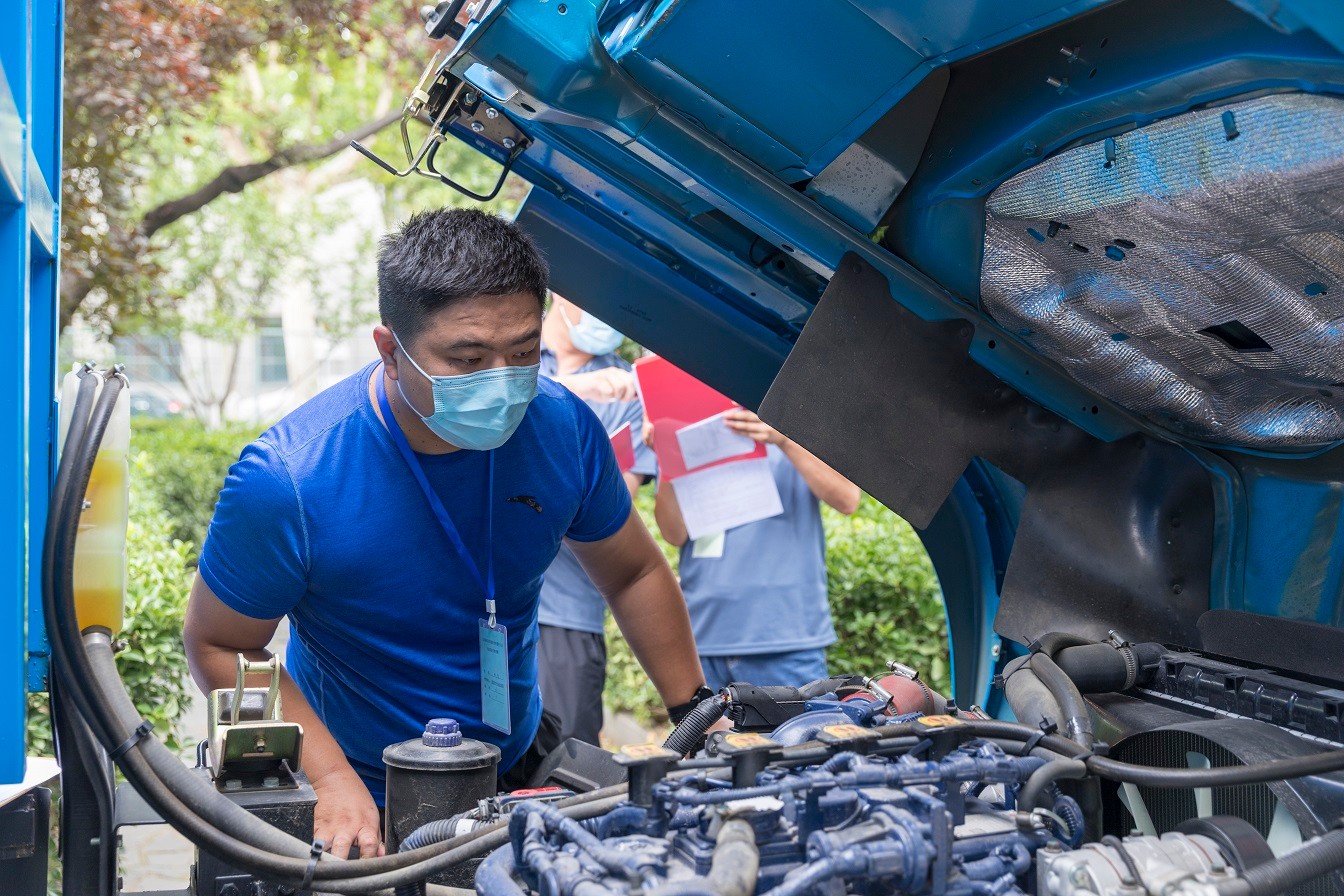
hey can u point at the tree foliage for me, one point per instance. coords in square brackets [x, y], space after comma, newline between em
[137, 70]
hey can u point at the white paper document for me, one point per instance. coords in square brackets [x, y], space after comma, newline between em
[726, 496]
[710, 440]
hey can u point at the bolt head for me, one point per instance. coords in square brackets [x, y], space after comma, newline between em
[509, 142]
[477, 126]
[492, 112]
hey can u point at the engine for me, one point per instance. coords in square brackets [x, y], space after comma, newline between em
[861, 790]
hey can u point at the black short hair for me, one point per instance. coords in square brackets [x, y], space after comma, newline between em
[438, 257]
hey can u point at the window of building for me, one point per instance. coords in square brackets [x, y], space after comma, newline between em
[271, 364]
[150, 357]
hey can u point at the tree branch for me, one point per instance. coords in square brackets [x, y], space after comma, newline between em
[235, 177]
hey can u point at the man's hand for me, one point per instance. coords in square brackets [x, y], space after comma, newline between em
[607, 384]
[346, 814]
[746, 423]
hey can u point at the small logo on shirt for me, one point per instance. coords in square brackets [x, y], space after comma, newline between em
[526, 499]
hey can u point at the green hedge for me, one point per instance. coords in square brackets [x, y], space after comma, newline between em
[183, 466]
[885, 603]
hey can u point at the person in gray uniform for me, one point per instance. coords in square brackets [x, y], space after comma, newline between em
[578, 351]
[757, 593]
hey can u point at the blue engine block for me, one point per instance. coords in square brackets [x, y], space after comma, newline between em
[861, 818]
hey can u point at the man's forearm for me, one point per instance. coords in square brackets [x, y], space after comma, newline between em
[651, 614]
[667, 514]
[823, 481]
[214, 668]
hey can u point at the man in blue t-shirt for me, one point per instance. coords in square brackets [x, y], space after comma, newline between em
[757, 593]
[403, 519]
[578, 351]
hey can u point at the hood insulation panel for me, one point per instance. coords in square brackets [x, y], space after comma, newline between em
[1191, 271]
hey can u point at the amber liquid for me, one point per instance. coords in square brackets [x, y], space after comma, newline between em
[100, 550]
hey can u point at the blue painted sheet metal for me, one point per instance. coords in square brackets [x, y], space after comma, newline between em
[672, 143]
[30, 49]
[651, 302]
[44, 287]
[580, 100]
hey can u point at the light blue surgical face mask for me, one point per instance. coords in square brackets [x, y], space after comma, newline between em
[477, 411]
[591, 335]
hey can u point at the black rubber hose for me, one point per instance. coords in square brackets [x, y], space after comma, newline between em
[1155, 776]
[1040, 780]
[425, 835]
[1103, 668]
[691, 730]
[1226, 776]
[1052, 643]
[1308, 861]
[1031, 701]
[1077, 717]
[73, 473]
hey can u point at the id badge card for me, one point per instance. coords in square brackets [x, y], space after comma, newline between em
[495, 677]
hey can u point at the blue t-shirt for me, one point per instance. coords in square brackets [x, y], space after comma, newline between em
[568, 599]
[766, 591]
[321, 520]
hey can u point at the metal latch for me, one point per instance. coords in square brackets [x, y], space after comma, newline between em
[251, 746]
[448, 103]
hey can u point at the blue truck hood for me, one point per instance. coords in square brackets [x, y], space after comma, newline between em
[1061, 283]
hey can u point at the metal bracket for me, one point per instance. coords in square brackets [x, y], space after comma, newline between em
[460, 107]
[250, 745]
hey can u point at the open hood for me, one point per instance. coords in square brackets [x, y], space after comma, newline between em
[1062, 283]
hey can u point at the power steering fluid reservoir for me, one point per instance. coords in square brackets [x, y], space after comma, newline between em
[100, 549]
[434, 777]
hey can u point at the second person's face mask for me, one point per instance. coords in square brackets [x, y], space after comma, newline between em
[592, 335]
[477, 411]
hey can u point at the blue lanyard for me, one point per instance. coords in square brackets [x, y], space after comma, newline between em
[486, 583]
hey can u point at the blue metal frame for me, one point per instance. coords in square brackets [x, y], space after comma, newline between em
[679, 150]
[31, 47]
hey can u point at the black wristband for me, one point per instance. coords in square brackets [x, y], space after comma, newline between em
[682, 710]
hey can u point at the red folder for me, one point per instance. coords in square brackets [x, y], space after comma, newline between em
[673, 399]
[623, 443]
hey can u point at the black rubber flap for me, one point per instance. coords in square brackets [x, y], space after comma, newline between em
[1112, 535]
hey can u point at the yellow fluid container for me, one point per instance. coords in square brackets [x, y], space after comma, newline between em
[100, 549]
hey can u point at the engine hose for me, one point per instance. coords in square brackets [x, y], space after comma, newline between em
[808, 876]
[1052, 643]
[426, 834]
[1077, 717]
[1045, 777]
[1068, 809]
[1311, 860]
[733, 869]
[1030, 700]
[495, 876]
[690, 730]
[1225, 776]
[1154, 776]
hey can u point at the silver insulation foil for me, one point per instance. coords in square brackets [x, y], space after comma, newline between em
[1191, 271]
